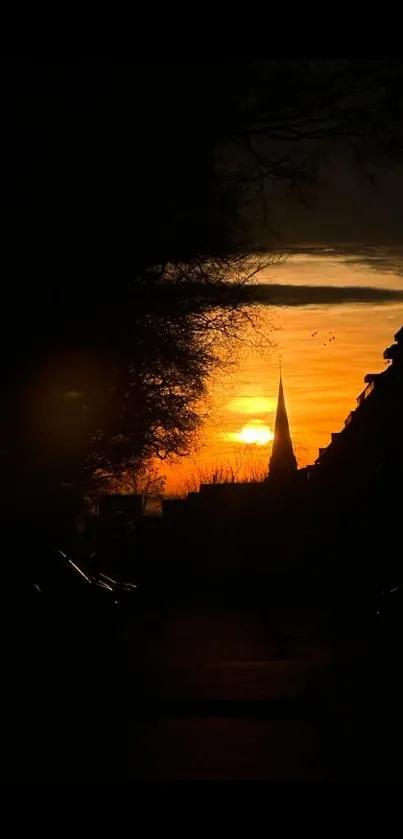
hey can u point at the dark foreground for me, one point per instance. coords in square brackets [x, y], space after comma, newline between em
[208, 692]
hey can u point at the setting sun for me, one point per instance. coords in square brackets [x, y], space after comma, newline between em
[255, 431]
[322, 377]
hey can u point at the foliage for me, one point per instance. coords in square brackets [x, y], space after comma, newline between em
[145, 480]
[161, 377]
[243, 466]
[135, 196]
[289, 114]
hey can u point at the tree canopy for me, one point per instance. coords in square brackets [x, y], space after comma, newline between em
[132, 191]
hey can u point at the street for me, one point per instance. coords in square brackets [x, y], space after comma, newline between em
[184, 694]
[193, 694]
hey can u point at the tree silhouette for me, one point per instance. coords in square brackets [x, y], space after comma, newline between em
[133, 197]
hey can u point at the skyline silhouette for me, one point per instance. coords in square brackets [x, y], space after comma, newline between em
[327, 349]
[171, 230]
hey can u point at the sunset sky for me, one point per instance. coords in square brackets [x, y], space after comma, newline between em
[325, 350]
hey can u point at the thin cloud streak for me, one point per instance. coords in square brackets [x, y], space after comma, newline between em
[386, 259]
[309, 295]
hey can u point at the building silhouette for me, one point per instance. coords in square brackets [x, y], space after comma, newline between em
[371, 442]
[241, 499]
[283, 462]
[355, 487]
[120, 511]
[355, 482]
[336, 522]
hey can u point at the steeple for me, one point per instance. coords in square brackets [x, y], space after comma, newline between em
[282, 461]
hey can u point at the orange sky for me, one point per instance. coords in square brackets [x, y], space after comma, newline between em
[322, 377]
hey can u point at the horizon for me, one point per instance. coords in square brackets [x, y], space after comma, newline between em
[323, 373]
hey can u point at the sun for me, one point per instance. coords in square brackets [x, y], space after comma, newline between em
[255, 432]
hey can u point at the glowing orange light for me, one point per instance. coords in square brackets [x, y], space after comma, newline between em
[252, 405]
[255, 432]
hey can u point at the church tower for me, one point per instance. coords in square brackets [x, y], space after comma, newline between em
[283, 461]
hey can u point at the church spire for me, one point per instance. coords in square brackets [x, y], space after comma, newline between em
[282, 461]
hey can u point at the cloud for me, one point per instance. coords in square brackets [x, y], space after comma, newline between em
[387, 259]
[347, 207]
[310, 295]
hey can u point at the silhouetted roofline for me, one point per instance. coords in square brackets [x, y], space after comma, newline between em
[374, 382]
